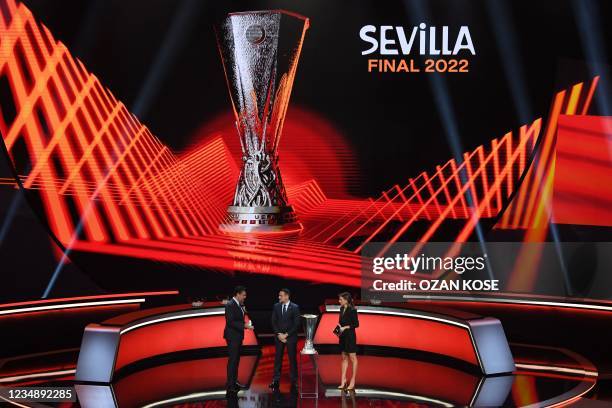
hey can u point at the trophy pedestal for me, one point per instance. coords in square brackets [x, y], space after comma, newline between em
[309, 375]
[254, 220]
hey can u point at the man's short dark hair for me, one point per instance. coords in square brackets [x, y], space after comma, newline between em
[287, 291]
[239, 289]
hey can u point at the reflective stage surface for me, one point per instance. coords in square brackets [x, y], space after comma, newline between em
[544, 377]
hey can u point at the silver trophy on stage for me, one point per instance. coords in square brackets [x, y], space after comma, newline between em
[310, 321]
[260, 52]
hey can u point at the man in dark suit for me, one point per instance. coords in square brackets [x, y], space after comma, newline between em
[285, 323]
[234, 334]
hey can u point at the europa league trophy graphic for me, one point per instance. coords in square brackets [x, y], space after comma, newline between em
[260, 52]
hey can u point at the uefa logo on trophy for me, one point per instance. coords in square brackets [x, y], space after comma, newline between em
[260, 52]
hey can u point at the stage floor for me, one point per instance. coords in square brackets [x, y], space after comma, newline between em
[544, 377]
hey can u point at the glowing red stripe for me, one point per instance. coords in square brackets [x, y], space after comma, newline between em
[373, 216]
[471, 178]
[447, 196]
[195, 206]
[174, 189]
[209, 165]
[543, 161]
[91, 222]
[417, 193]
[117, 222]
[334, 224]
[496, 175]
[437, 222]
[413, 216]
[483, 176]
[589, 97]
[142, 166]
[90, 297]
[134, 216]
[214, 152]
[428, 183]
[468, 185]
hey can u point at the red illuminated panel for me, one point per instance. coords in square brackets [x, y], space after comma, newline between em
[583, 171]
[85, 150]
[531, 206]
[406, 376]
[172, 336]
[404, 333]
[179, 379]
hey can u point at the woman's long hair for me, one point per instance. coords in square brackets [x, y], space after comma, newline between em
[349, 299]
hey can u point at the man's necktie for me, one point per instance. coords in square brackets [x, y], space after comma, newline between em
[284, 309]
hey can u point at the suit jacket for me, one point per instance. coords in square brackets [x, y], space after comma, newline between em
[234, 321]
[349, 318]
[289, 322]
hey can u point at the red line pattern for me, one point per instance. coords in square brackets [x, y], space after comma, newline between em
[443, 195]
[93, 161]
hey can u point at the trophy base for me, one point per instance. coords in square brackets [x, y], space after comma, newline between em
[261, 220]
[309, 352]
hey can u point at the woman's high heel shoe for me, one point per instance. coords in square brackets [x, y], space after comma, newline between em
[342, 386]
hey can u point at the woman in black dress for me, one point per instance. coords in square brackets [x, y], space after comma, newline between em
[347, 323]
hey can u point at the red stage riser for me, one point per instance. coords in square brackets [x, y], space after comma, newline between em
[404, 333]
[179, 378]
[174, 336]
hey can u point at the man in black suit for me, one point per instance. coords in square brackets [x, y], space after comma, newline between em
[234, 334]
[285, 323]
